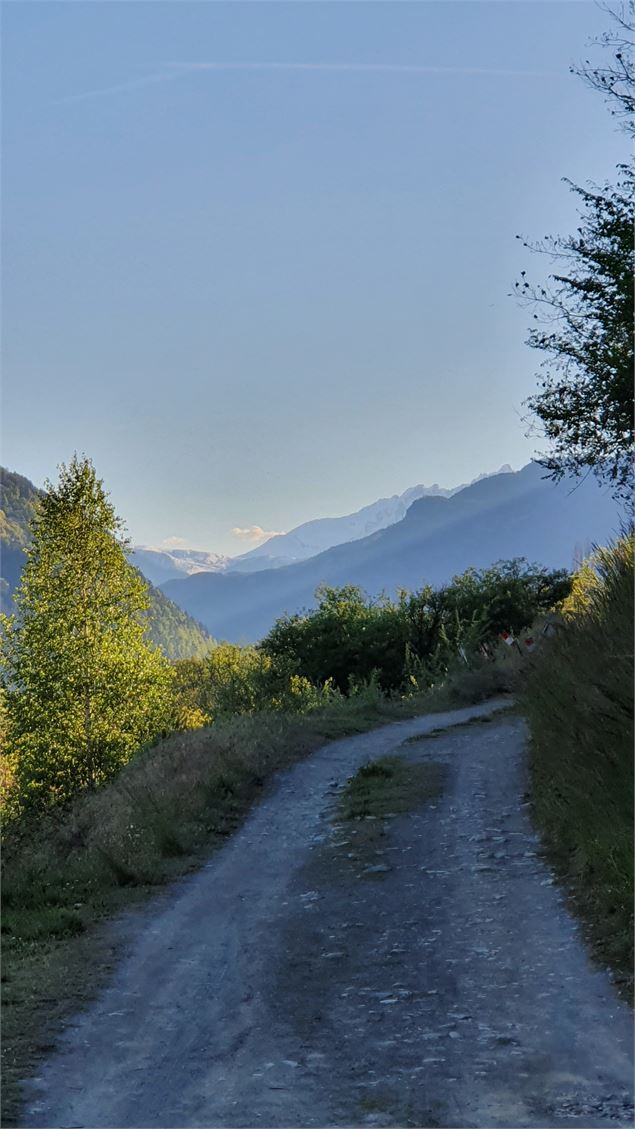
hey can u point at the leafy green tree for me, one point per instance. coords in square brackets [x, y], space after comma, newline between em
[584, 325]
[84, 688]
[507, 596]
[584, 314]
[346, 636]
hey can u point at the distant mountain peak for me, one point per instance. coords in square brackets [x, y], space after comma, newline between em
[161, 563]
[313, 537]
[165, 562]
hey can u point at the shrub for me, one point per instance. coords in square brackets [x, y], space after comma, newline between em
[411, 642]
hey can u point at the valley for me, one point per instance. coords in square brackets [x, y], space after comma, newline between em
[514, 514]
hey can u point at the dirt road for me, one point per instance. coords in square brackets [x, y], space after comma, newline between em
[429, 975]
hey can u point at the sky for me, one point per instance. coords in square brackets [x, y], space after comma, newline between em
[258, 256]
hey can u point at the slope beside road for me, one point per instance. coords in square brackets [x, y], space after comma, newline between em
[428, 974]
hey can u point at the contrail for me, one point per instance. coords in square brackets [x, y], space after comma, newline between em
[179, 70]
[121, 87]
[394, 68]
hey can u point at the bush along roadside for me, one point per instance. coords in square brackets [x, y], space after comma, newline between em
[579, 704]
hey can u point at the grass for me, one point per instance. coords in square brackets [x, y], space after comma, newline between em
[465, 686]
[67, 872]
[473, 722]
[579, 704]
[389, 786]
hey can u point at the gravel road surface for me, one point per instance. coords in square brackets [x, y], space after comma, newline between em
[422, 972]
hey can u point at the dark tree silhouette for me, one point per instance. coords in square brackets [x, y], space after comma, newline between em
[583, 315]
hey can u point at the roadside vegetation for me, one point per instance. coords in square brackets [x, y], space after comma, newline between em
[85, 689]
[579, 702]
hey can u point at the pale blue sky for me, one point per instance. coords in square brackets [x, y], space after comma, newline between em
[261, 294]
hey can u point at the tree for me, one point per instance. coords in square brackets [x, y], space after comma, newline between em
[584, 314]
[615, 79]
[350, 637]
[84, 688]
[507, 596]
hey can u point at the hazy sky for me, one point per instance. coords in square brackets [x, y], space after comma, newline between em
[258, 255]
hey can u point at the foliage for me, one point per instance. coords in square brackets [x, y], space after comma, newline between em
[84, 689]
[173, 630]
[615, 80]
[346, 635]
[350, 642]
[584, 315]
[579, 702]
[20, 500]
[585, 401]
[506, 597]
[168, 626]
[233, 680]
[584, 585]
[411, 641]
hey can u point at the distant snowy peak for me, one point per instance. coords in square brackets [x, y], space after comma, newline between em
[159, 565]
[197, 560]
[305, 541]
[313, 537]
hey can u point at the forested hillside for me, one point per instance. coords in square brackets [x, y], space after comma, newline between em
[171, 628]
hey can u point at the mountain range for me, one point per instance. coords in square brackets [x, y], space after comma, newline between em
[301, 543]
[510, 514]
[313, 537]
[169, 626]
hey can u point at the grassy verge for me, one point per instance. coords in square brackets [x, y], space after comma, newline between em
[65, 874]
[379, 792]
[389, 786]
[579, 703]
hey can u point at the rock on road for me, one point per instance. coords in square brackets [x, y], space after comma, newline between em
[439, 981]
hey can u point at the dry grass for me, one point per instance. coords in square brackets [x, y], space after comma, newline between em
[66, 872]
[579, 703]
